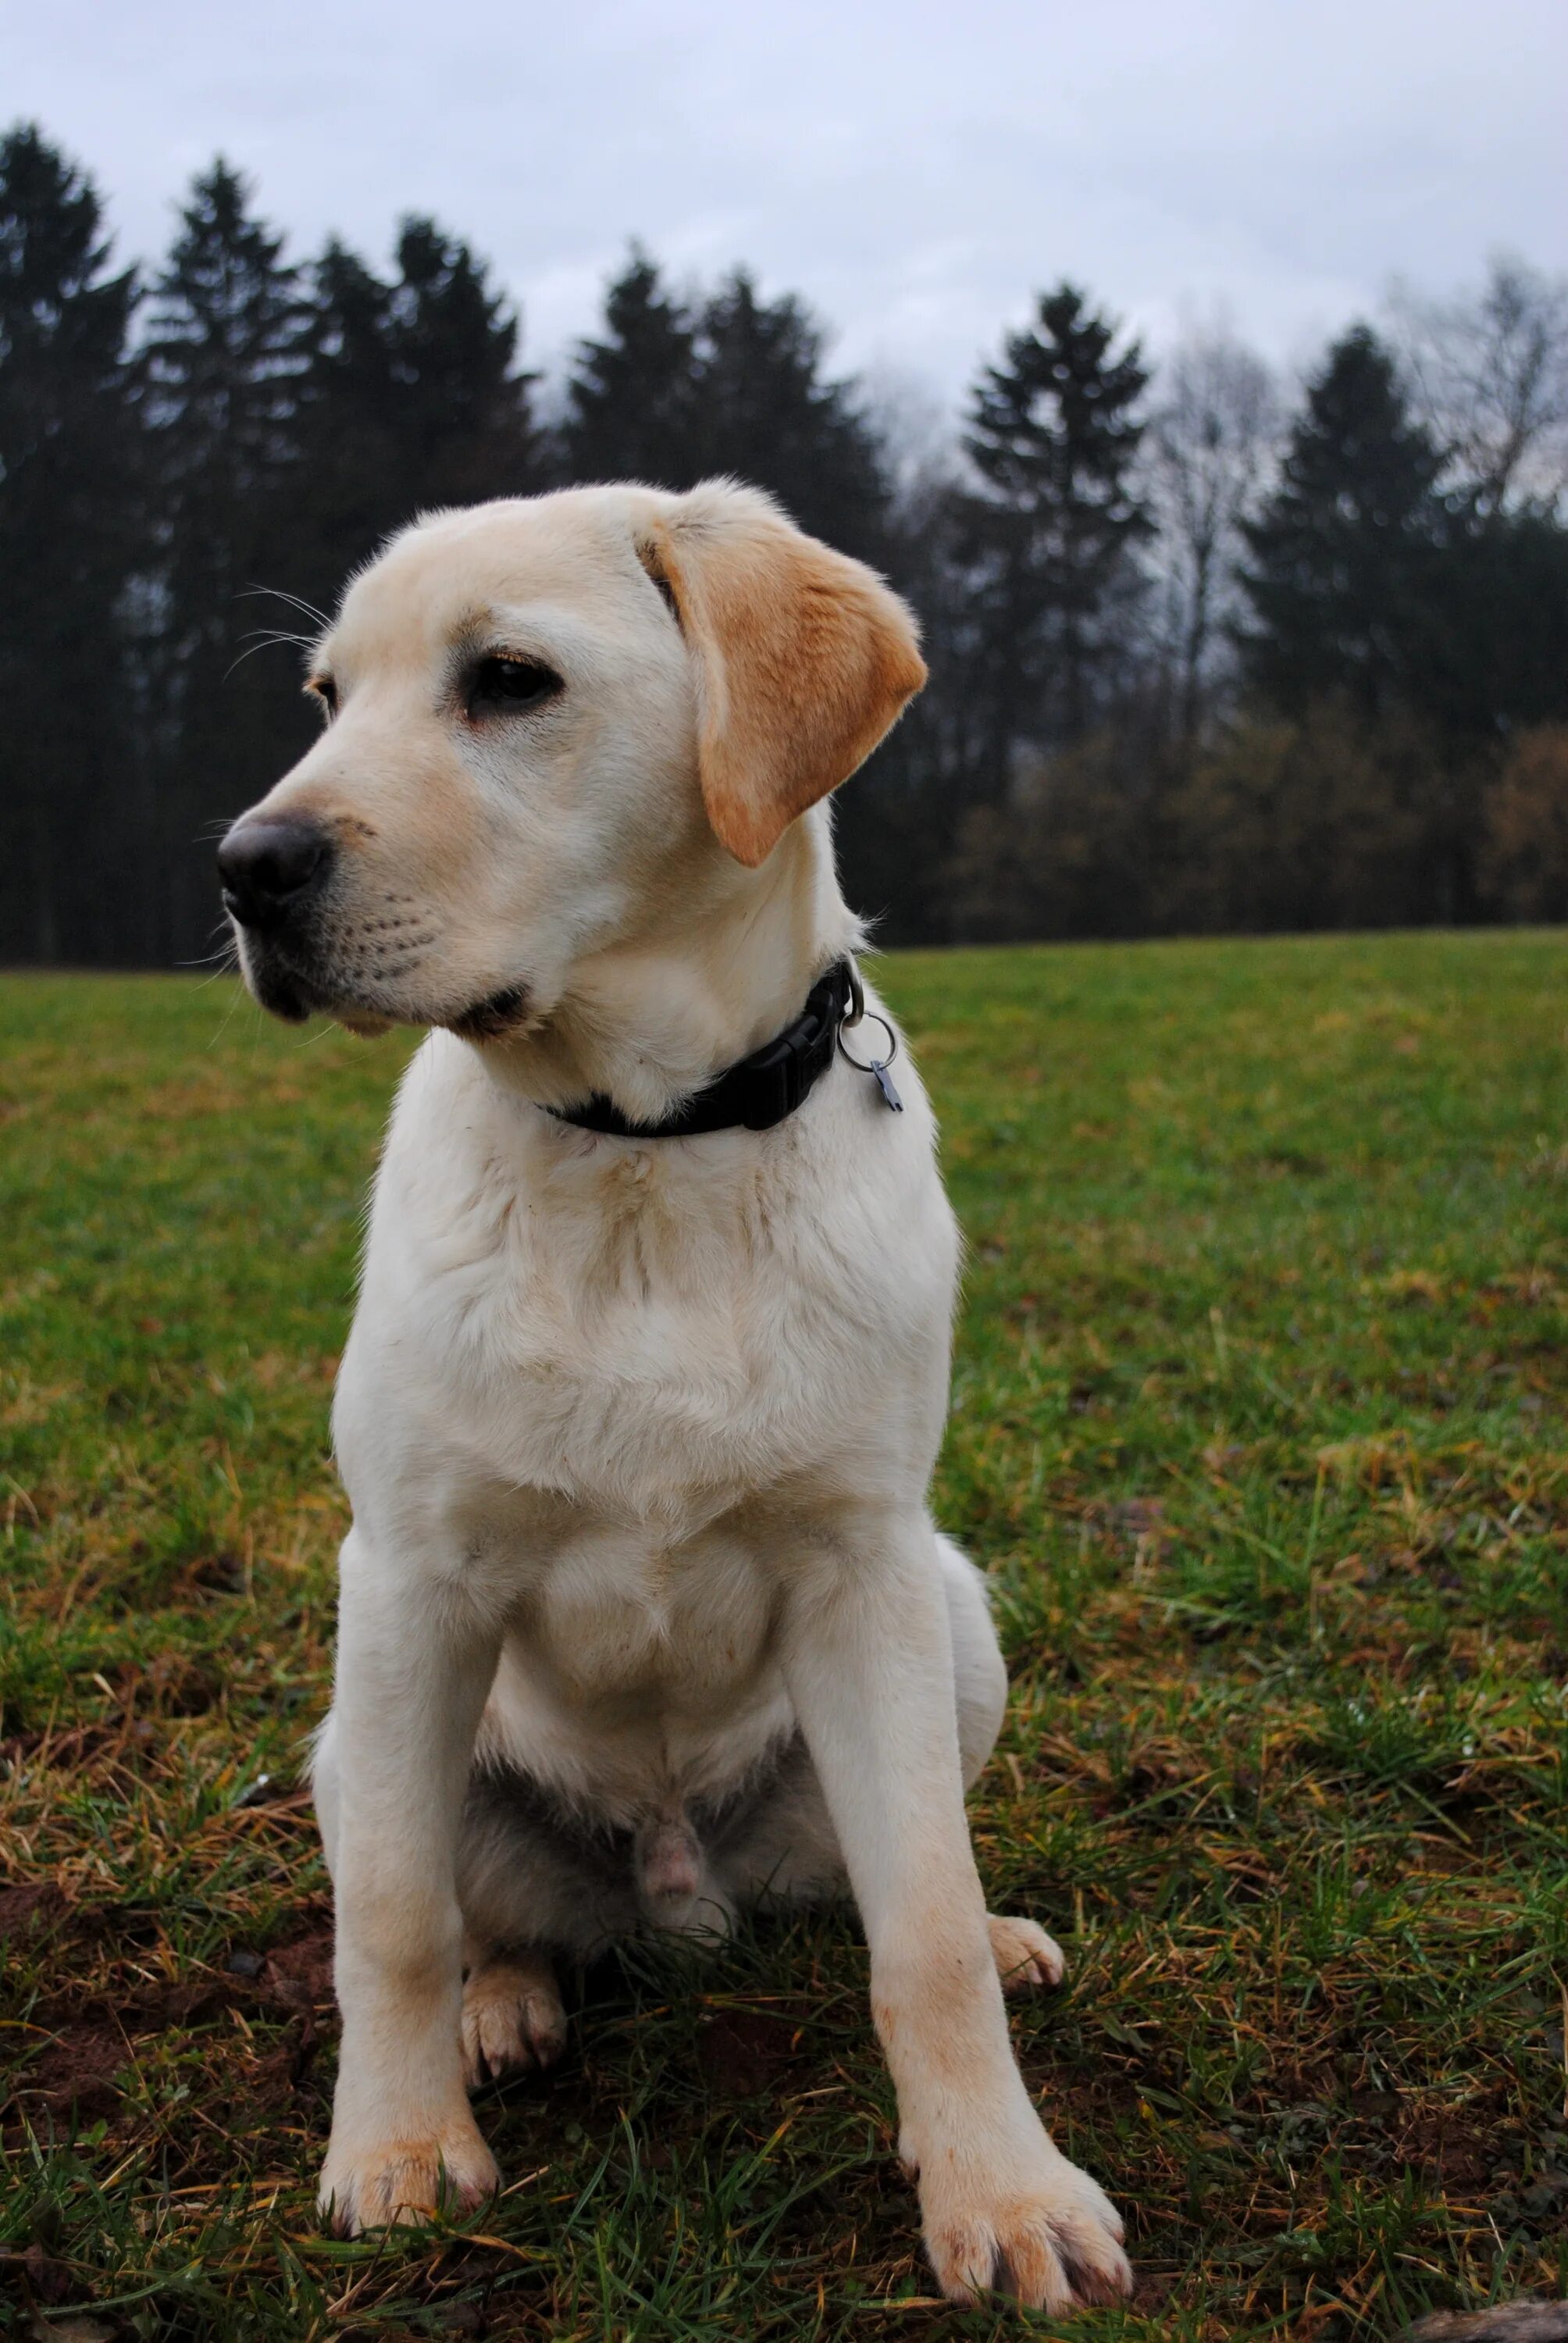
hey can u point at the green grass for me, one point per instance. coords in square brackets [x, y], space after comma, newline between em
[1259, 1429]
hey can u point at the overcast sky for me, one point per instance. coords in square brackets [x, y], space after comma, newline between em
[914, 169]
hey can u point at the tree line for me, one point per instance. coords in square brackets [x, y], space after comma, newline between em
[1202, 657]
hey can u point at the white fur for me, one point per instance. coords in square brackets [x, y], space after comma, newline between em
[638, 1435]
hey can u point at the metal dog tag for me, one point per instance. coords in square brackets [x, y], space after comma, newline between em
[885, 1084]
[878, 1066]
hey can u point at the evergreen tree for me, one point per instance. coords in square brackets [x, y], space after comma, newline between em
[1488, 655]
[1371, 587]
[460, 416]
[632, 400]
[1049, 542]
[1341, 574]
[673, 396]
[68, 524]
[225, 357]
[766, 414]
[347, 491]
[410, 402]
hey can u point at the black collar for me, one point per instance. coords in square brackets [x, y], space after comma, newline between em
[757, 1091]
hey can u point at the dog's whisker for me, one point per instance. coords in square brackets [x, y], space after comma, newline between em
[276, 634]
[268, 642]
[280, 594]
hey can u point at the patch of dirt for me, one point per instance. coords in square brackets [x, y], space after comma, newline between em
[192, 2001]
[1450, 2152]
[300, 1975]
[75, 2073]
[217, 1573]
[45, 2280]
[743, 2052]
[298, 1978]
[172, 1686]
[28, 1908]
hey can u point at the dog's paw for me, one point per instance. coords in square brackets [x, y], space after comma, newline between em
[1024, 1954]
[388, 2181]
[512, 2018]
[1048, 2237]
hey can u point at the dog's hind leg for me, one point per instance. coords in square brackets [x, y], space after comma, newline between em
[980, 1672]
[513, 2019]
[527, 1886]
[1025, 1955]
[783, 1848]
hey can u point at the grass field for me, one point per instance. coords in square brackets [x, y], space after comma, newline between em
[1259, 1427]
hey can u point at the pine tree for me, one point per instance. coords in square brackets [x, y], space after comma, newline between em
[68, 534]
[1342, 571]
[460, 417]
[631, 402]
[411, 401]
[1049, 542]
[673, 396]
[767, 415]
[1371, 588]
[348, 489]
[225, 357]
[1500, 660]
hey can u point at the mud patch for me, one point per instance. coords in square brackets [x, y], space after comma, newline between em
[743, 2052]
[27, 1910]
[74, 2073]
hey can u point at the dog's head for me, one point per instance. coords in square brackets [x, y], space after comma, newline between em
[550, 725]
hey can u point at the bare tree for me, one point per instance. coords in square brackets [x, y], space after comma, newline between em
[1488, 371]
[1209, 446]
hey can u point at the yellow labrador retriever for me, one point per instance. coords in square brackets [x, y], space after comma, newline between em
[644, 1619]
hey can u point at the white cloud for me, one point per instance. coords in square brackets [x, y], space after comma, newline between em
[916, 170]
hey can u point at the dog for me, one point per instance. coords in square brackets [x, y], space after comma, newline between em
[644, 1621]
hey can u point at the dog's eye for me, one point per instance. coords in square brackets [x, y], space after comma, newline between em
[502, 682]
[322, 688]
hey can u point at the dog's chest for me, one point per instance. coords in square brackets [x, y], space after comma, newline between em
[615, 1612]
[637, 1669]
[640, 1337]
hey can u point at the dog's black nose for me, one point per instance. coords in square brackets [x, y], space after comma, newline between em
[268, 867]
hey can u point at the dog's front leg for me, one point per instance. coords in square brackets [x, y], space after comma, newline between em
[415, 1662]
[869, 1668]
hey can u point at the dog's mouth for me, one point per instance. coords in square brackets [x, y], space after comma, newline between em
[490, 1019]
[281, 990]
[295, 992]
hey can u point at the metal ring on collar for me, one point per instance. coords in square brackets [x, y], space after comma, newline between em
[892, 1045]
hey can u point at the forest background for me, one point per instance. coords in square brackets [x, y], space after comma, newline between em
[1208, 651]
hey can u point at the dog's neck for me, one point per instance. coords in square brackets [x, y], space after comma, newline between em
[647, 1023]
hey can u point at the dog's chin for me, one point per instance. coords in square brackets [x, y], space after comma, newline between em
[493, 1018]
[296, 994]
[280, 992]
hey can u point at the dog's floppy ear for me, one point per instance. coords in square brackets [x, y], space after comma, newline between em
[805, 656]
